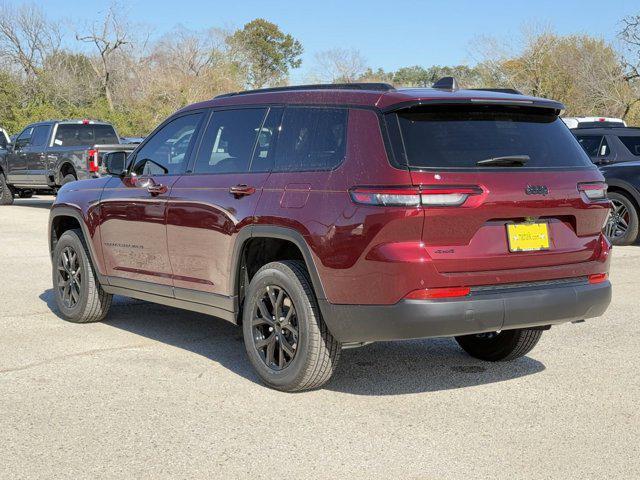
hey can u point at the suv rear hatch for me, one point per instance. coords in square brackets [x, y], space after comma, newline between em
[481, 168]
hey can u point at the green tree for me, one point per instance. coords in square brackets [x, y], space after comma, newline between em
[265, 52]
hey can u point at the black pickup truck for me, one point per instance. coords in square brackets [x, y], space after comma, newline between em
[46, 155]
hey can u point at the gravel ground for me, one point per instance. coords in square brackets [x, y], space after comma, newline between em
[156, 392]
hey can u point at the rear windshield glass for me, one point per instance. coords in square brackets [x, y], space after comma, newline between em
[632, 143]
[74, 135]
[460, 136]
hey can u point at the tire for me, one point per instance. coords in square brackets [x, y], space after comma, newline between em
[25, 193]
[500, 346]
[82, 300]
[6, 195]
[622, 226]
[68, 179]
[315, 351]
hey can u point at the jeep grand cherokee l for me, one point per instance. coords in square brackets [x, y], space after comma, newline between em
[327, 216]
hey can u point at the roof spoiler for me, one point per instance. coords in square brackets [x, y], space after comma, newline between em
[556, 107]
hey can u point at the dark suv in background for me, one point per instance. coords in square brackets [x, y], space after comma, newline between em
[616, 150]
[328, 216]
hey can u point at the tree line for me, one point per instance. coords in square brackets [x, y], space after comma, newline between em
[111, 69]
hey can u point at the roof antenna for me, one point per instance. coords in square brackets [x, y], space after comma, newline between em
[446, 83]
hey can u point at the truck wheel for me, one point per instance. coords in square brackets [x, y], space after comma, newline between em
[6, 195]
[77, 292]
[68, 179]
[286, 339]
[500, 346]
[622, 225]
[25, 193]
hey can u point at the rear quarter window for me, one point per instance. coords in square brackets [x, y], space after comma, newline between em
[450, 136]
[311, 139]
[632, 144]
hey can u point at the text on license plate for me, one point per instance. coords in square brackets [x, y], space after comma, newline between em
[527, 237]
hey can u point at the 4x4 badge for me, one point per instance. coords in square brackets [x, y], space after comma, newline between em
[536, 190]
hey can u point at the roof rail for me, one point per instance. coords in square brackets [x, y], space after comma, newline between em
[382, 87]
[499, 90]
[446, 83]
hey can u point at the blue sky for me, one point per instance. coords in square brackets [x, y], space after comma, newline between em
[389, 33]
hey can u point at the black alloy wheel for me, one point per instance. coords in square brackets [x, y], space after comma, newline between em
[69, 281]
[618, 222]
[275, 328]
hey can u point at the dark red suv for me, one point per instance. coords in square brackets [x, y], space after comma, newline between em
[328, 216]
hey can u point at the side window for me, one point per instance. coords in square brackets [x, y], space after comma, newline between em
[229, 140]
[3, 140]
[165, 153]
[24, 139]
[590, 144]
[39, 136]
[311, 139]
[632, 144]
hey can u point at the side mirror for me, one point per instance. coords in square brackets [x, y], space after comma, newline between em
[115, 163]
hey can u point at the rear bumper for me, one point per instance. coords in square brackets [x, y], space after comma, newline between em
[482, 311]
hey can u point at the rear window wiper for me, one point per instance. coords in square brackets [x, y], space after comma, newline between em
[508, 161]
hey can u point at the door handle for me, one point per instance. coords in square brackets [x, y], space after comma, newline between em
[157, 189]
[241, 190]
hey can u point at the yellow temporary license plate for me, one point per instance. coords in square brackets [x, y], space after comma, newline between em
[528, 237]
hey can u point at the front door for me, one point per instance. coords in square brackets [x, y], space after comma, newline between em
[17, 164]
[133, 208]
[37, 163]
[210, 205]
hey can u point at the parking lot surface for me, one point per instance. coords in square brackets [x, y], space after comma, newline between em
[156, 392]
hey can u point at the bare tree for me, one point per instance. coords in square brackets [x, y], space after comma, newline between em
[630, 36]
[108, 36]
[27, 38]
[340, 65]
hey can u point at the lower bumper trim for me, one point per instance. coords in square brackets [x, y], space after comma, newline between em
[478, 313]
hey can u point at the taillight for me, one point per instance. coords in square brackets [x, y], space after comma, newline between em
[93, 160]
[433, 293]
[386, 197]
[447, 196]
[428, 196]
[597, 278]
[594, 190]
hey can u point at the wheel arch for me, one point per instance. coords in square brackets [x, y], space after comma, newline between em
[62, 219]
[267, 232]
[65, 168]
[625, 188]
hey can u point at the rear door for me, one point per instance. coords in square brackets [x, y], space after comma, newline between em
[217, 198]
[133, 208]
[538, 176]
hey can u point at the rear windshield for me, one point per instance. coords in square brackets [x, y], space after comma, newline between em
[78, 134]
[460, 136]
